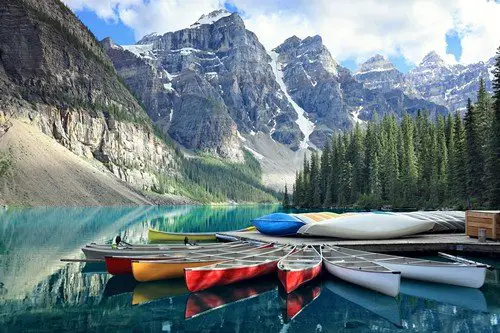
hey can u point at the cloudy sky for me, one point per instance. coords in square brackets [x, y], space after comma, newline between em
[462, 31]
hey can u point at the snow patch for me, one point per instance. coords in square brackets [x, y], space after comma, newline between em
[305, 125]
[252, 133]
[211, 18]
[254, 153]
[241, 136]
[355, 116]
[168, 87]
[381, 69]
[141, 50]
[170, 115]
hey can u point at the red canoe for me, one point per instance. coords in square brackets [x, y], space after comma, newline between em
[259, 262]
[119, 265]
[298, 267]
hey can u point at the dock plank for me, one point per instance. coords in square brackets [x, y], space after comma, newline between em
[418, 243]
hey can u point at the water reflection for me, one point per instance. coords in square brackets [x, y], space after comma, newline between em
[295, 302]
[39, 293]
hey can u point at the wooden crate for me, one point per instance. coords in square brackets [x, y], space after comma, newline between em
[483, 219]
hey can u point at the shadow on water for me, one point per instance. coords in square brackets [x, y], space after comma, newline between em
[39, 293]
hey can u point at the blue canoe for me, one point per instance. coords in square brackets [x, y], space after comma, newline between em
[278, 224]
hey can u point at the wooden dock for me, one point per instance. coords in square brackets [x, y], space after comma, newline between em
[418, 243]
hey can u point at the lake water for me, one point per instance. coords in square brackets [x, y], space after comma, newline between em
[38, 293]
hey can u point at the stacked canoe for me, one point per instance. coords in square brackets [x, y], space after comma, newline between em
[370, 225]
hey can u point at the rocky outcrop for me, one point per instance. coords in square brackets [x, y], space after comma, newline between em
[433, 79]
[54, 73]
[202, 83]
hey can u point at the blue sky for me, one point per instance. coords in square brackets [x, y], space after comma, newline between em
[404, 31]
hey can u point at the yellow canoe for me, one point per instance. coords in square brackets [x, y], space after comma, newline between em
[145, 271]
[163, 236]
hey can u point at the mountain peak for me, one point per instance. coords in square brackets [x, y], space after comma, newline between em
[377, 63]
[211, 17]
[432, 59]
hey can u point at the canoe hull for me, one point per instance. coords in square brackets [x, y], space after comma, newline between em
[118, 266]
[278, 228]
[465, 276]
[161, 236]
[278, 224]
[291, 280]
[145, 271]
[383, 282]
[367, 226]
[201, 279]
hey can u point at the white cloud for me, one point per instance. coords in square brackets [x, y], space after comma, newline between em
[350, 29]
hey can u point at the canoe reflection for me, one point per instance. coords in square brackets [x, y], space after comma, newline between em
[203, 302]
[152, 291]
[468, 298]
[381, 305]
[119, 284]
[295, 302]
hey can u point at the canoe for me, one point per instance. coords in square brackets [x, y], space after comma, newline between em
[299, 267]
[118, 265]
[101, 253]
[261, 262]
[163, 236]
[455, 273]
[147, 247]
[361, 271]
[278, 224]
[444, 221]
[281, 224]
[298, 300]
[203, 302]
[367, 226]
[153, 270]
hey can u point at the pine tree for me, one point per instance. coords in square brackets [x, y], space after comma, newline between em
[460, 161]
[494, 150]
[442, 161]
[286, 198]
[475, 164]
[408, 169]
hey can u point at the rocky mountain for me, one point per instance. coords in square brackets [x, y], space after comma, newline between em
[203, 84]
[433, 79]
[331, 96]
[297, 94]
[57, 83]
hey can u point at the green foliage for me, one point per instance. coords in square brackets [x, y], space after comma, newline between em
[286, 198]
[210, 180]
[418, 163]
[5, 162]
[493, 174]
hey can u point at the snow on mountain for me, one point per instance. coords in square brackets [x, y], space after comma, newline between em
[211, 17]
[306, 126]
[433, 79]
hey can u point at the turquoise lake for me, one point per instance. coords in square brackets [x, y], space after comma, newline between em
[38, 293]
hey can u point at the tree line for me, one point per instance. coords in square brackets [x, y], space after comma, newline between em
[419, 162]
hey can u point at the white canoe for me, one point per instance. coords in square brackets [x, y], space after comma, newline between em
[360, 271]
[455, 273]
[100, 252]
[367, 226]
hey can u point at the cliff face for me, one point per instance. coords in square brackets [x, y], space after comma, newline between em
[55, 74]
[203, 83]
